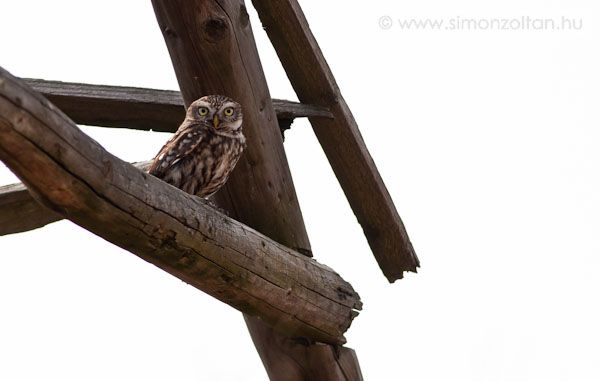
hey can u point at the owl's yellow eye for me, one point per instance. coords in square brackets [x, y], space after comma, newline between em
[202, 111]
[228, 111]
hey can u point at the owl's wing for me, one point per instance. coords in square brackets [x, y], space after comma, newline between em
[179, 146]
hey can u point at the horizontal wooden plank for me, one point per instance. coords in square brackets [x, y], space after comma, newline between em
[140, 108]
[19, 212]
[340, 138]
[74, 176]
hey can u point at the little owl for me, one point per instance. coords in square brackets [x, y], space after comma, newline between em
[206, 147]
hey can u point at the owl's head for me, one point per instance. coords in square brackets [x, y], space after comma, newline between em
[221, 112]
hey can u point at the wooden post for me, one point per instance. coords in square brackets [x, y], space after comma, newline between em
[213, 52]
[340, 138]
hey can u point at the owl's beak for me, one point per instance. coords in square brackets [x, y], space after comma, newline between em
[216, 121]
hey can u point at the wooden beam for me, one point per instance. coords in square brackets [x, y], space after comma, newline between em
[340, 138]
[213, 52]
[139, 108]
[74, 176]
[19, 212]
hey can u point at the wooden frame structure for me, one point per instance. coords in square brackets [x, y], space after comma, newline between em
[258, 259]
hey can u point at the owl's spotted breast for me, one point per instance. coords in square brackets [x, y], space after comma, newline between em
[208, 166]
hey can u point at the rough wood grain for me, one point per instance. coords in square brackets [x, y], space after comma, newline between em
[340, 138]
[73, 175]
[213, 51]
[139, 108]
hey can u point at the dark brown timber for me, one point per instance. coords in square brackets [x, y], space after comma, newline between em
[139, 108]
[74, 176]
[311, 362]
[213, 52]
[340, 138]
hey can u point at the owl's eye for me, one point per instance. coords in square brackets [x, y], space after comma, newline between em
[228, 111]
[202, 111]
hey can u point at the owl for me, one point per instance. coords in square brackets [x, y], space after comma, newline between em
[199, 158]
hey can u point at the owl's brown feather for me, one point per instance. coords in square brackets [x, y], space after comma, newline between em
[179, 146]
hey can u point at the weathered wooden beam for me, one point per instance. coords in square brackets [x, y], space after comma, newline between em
[340, 138]
[74, 176]
[213, 52]
[19, 212]
[139, 108]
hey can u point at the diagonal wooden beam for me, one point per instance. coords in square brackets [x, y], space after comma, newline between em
[213, 52]
[74, 176]
[140, 108]
[340, 138]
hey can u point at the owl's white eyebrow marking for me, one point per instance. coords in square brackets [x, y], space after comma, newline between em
[236, 125]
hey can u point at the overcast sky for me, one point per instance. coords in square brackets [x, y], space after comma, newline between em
[483, 120]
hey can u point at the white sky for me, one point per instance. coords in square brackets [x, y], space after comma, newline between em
[486, 140]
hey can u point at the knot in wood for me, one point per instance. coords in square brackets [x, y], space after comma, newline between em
[215, 29]
[168, 32]
[244, 17]
[329, 98]
[106, 168]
